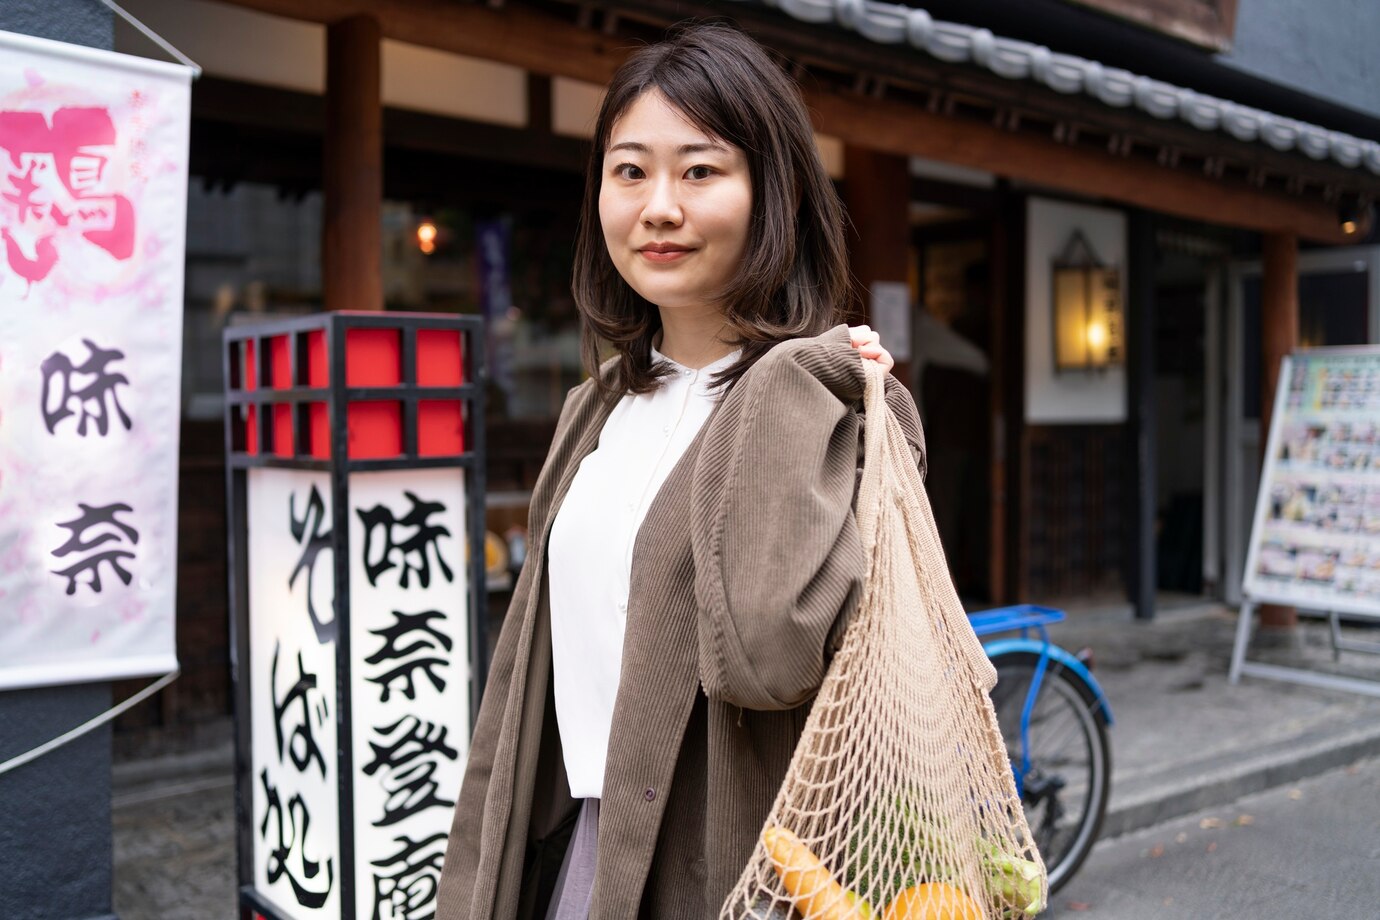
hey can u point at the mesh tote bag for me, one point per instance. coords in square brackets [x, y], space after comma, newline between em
[899, 803]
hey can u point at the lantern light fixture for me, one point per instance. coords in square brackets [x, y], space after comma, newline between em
[1087, 313]
[426, 237]
[1349, 211]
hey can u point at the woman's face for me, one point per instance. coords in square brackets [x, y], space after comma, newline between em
[675, 204]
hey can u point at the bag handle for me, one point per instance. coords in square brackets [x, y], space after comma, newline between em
[889, 475]
[871, 490]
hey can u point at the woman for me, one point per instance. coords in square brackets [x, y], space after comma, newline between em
[695, 555]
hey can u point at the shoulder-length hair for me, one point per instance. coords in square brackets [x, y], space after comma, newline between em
[793, 279]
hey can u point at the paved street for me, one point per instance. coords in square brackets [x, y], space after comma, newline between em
[1307, 851]
[175, 852]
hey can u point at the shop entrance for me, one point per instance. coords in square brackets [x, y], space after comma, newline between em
[951, 367]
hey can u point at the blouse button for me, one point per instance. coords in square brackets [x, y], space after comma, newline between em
[666, 429]
[650, 794]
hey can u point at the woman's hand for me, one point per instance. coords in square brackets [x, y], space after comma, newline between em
[869, 345]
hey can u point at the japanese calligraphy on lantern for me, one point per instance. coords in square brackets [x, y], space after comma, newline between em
[292, 664]
[1315, 542]
[410, 682]
[93, 179]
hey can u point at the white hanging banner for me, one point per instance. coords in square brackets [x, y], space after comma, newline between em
[1316, 538]
[93, 191]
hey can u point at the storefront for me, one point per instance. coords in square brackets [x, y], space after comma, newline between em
[417, 155]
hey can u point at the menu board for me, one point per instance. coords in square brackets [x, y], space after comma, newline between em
[1315, 542]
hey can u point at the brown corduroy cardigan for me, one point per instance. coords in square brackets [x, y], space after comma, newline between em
[744, 571]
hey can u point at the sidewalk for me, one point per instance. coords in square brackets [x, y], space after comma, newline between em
[1183, 740]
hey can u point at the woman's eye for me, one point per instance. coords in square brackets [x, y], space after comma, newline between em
[699, 172]
[627, 171]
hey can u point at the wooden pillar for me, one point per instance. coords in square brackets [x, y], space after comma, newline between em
[876, 191]
[1007, 392]
[1140, 564]
[352, 231]
[1279, 335]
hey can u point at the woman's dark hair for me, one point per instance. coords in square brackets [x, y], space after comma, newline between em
[793, 278]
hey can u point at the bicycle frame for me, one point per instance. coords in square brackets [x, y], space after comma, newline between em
[1026, 619]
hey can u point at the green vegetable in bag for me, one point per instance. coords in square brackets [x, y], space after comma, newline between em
[916, 848]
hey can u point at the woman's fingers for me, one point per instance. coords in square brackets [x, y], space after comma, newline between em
[869, 345]
[879, 354]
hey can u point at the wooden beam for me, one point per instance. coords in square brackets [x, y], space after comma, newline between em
[260, 110]
[899, 128]
[953, 195]
[550, 45]
[352, 204]
[1279, 335]
[513, 35]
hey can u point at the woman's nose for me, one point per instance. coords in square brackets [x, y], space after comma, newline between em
[663, 206]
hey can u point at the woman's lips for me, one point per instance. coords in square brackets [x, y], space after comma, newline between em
[663, 252]
[669, 255]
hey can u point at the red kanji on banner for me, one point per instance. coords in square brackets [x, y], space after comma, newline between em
[54, 184]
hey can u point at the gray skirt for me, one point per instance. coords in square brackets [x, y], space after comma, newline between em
[575, 883]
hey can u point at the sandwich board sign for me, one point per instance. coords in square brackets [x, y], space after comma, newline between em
[1315, 539]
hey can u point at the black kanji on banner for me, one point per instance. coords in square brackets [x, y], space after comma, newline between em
[292, 823]
[96, 527]
[408, 881]
[413, 540]
[313, 539]
[304, 693]
[94, 399]
[426, 639]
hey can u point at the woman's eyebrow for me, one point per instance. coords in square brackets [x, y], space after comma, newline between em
[703, 147]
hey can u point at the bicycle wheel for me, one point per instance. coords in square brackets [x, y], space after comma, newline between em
[1065, 788]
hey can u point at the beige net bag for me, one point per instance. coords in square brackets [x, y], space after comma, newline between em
[899, 803]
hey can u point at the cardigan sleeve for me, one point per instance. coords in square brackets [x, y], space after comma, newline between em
[778, 560]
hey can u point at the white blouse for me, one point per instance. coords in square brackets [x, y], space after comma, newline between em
[590, 555]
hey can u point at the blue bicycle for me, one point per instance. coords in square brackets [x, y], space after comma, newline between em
[1054, 717]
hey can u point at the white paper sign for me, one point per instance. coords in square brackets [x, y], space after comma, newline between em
[292, 640]
[891, 316]
[93, 188]
[1315, 542]
[410, 693]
